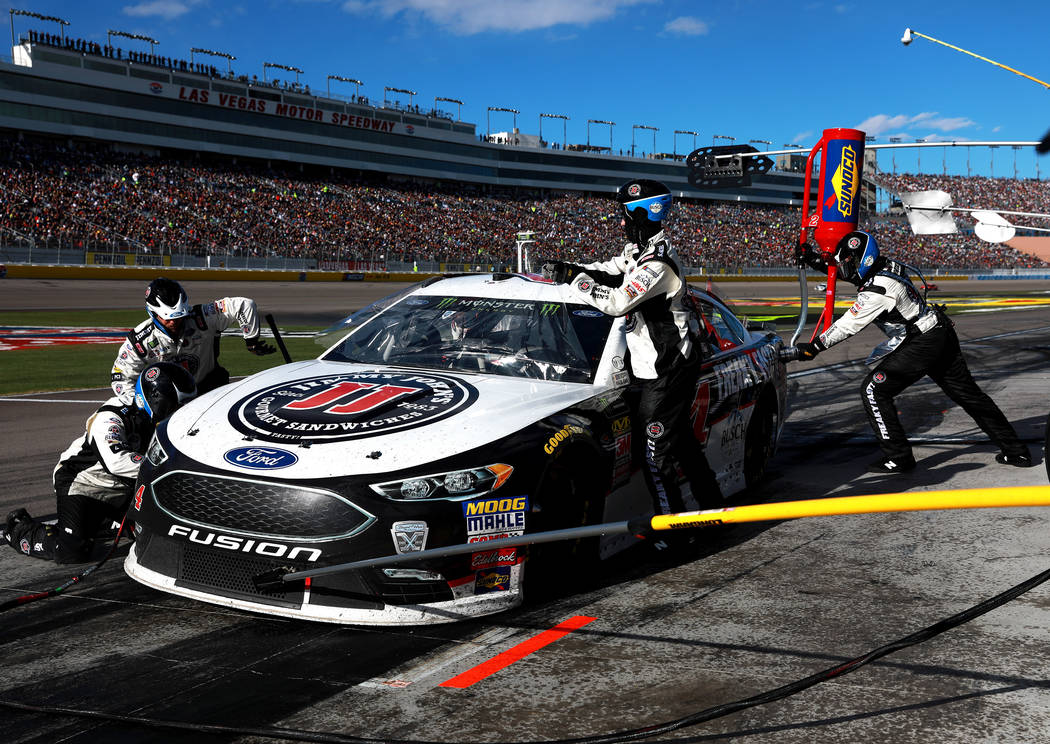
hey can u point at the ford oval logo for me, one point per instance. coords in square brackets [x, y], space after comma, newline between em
[260, 458]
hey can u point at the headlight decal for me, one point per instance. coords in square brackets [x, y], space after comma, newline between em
[455, 485]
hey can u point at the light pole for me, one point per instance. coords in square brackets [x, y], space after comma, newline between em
[767, 143]
[1016, 148]
[406, 91]
[716, 137]
[674, 139]
[111, 33]
[229, 57]
[894, 141]
[456, 101]
[488, 127]
[340, 78]
[61, 23]
[643, 126]
[918, 156]
[993, 148]
[600, 121]
[296, 70]
[563, 118]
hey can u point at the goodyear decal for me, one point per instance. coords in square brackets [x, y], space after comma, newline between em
[560, 436]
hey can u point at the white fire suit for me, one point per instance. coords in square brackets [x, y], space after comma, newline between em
[646, 287]
[93, 480]
[196, 348]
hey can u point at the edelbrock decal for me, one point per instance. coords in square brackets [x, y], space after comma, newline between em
[260, 458]
[335, 408]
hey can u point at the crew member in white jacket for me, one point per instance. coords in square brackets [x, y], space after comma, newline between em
[186, 335]
[645, 284]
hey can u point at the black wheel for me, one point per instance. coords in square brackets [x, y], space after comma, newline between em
[758, 442]
[567, 498]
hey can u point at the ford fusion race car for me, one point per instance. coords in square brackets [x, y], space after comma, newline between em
[458, 411]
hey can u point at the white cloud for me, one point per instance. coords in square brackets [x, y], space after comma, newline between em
[996, 129]
[802, 138]
[882, 123]
[476, 16]
[686, 26]
[166, 9]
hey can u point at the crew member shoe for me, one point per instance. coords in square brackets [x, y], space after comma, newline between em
[1019, 461]
[892, 465]
[11, 524]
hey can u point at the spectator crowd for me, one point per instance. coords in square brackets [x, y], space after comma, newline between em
[82, 194]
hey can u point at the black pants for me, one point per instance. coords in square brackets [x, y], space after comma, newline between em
[71, 539]
[663, 412]
[935, 353]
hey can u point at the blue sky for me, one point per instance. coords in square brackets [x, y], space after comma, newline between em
[743, 68]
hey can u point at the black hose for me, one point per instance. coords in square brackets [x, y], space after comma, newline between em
[28, 598]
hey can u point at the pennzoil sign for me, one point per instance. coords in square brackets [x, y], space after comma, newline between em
[335, 408]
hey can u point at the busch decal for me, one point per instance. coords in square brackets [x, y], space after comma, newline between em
[260, 458]
[336, 408]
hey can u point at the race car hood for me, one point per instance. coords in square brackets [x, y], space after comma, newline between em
[322, 419]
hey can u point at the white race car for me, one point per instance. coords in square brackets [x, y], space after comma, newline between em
[458, 411]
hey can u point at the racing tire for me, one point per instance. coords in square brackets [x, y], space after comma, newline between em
[759, 441]
[568, 499]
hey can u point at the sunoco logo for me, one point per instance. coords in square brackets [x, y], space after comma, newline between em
[336, 408]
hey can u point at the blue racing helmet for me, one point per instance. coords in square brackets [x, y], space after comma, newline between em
[645, 203]
[856, 255]
[161, 388]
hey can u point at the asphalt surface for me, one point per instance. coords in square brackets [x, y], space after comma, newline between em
[756, 608]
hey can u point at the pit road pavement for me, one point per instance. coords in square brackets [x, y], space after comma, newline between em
[758, 607]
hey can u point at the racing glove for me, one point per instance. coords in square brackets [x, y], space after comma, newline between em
[259, 347]
[560, 272]
[809, 351]
[805, 255]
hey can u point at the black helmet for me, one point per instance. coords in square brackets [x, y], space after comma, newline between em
[856, 255]
[166, 300]
[161, 388]
[644, 204]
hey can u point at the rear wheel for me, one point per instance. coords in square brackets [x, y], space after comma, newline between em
[758, 442]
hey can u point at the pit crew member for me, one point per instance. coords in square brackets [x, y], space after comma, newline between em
[645, 284]
[96, 474]
[187, 335]
[922, 341]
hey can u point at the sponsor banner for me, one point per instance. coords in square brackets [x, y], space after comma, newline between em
[492, 580]
[352, 266]
[284, 110]
[336, 408]
[13, 338]
[126, 259]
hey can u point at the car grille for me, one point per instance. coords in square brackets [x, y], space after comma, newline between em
[258, 508]
[231, 575]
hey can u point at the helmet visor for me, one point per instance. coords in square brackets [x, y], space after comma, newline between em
[656, 207]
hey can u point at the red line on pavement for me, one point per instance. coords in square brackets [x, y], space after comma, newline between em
[523, 649]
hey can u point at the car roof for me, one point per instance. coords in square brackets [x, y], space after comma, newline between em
[502, 286]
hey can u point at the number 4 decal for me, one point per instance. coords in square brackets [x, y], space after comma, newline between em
[374, 399]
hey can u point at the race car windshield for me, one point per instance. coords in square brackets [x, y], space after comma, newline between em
[516, 338]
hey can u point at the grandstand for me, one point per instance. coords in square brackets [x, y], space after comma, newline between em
[121, 157]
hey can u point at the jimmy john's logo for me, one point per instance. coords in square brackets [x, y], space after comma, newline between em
[336, 408]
